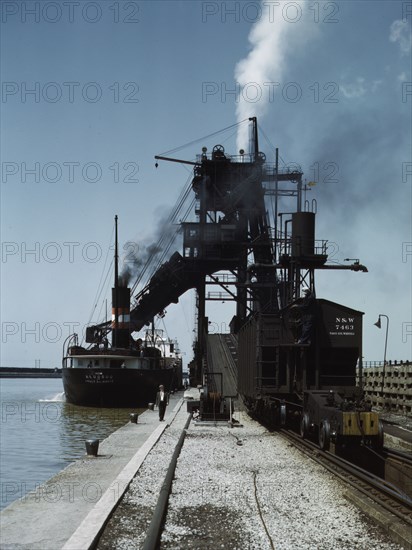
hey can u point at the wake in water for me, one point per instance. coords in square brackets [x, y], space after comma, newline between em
[58, 397]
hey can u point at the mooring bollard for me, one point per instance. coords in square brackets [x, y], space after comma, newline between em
[92, 446]
[151, 406]
[134, 417]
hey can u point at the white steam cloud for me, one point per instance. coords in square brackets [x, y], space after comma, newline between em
[281, 30]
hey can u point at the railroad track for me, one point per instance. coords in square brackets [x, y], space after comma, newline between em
[384, 494]
[404, 458]
[398, 469]
[387, 495]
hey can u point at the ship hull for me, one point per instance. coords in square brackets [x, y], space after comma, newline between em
[93, 387]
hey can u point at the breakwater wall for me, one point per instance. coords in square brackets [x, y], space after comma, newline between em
[26, 372]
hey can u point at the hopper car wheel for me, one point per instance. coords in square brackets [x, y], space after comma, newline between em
[324, 435]
[283, 415]
[304, 426]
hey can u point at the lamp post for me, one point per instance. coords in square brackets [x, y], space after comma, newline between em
[379, 325]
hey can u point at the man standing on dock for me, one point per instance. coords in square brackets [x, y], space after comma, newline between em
[162, 400]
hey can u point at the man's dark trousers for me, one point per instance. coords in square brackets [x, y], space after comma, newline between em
[162, 409]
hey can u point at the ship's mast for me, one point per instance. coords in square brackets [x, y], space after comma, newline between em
[116, 255]
[116, 284]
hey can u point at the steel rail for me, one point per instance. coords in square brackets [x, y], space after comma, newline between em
[399, 455]
[396, 503]
[156, 524]
[229, 357]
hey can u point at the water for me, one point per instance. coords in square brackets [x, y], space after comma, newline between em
[41, 434]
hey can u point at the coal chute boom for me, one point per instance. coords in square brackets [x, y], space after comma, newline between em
[170, 281]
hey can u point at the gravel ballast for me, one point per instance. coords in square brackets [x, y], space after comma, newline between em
[240, 488]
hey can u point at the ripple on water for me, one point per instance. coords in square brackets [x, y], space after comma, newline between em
[41, 433]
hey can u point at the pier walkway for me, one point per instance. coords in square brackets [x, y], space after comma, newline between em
[71, 508]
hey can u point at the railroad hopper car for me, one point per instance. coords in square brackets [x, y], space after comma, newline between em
[311, 385]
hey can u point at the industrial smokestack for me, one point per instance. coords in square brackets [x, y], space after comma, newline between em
[303, 234]
[121, 317]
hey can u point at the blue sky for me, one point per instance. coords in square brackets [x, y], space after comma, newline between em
[115, 83]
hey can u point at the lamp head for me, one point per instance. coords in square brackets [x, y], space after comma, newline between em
[378, 323]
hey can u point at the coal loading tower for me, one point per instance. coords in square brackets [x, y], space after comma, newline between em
[297, 353]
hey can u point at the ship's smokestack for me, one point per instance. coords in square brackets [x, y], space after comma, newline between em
[120, 317]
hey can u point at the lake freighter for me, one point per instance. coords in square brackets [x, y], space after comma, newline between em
[122, 372]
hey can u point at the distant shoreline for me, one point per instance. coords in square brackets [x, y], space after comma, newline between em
[25, 372]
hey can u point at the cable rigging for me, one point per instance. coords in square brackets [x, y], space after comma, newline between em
[171, 151]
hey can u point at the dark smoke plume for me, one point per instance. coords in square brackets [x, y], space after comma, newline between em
[137, 255]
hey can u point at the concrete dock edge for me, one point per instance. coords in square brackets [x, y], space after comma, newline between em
[396, 530]
[86, 535]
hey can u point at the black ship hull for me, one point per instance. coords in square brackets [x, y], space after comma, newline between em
[115, 387]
